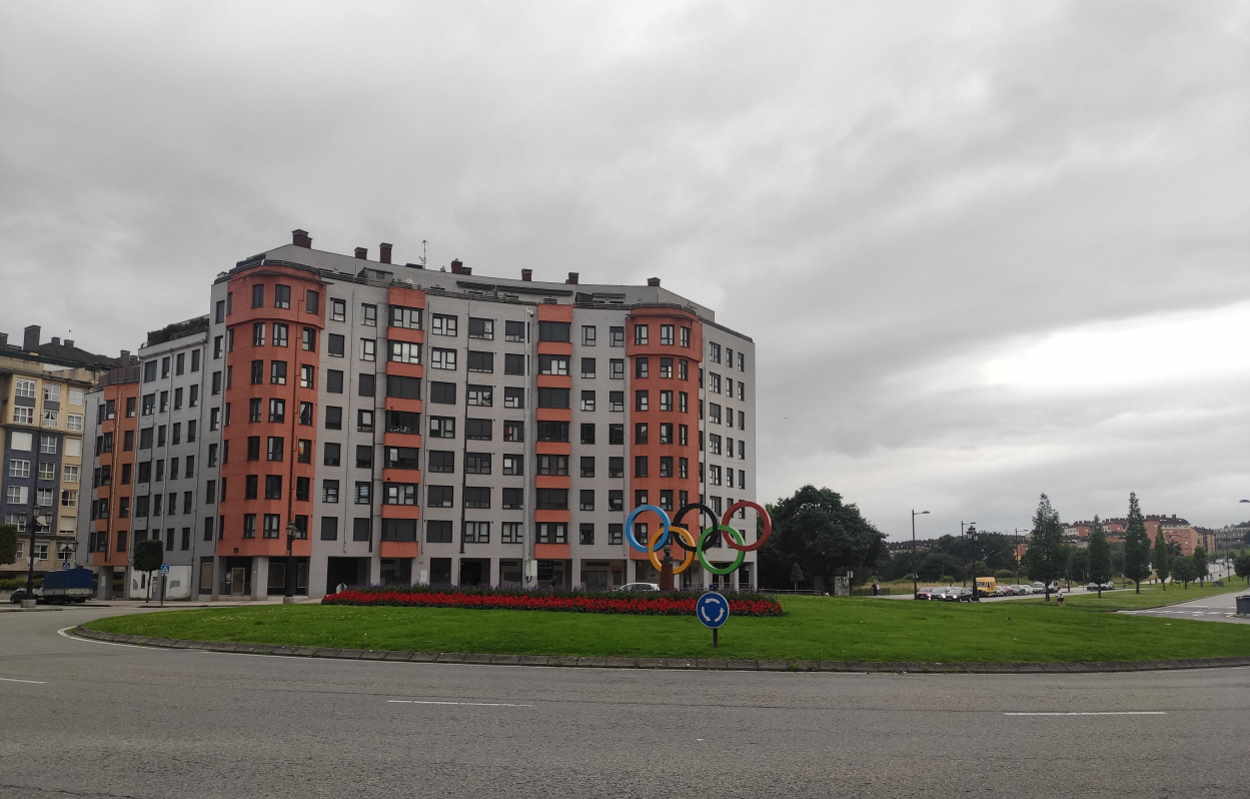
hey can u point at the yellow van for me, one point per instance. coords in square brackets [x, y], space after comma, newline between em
[987, 586]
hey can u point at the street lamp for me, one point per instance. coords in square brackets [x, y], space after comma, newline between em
[972, 536]
[915, 589]
[292, 532]
[36, 522]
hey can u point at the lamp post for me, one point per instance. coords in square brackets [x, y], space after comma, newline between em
[962, 524]
[292, 532]
[972, 536]
[915, 588]
[36, 521]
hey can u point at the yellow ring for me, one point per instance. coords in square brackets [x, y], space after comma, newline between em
[654, 555]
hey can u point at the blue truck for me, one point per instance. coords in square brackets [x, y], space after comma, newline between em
[62, 587]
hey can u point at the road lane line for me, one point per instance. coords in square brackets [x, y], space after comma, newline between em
[468, 704]
[1095, 713]
[30, 682]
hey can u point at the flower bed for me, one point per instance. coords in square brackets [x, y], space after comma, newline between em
[677, 604]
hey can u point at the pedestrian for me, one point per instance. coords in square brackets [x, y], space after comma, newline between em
[876, 589]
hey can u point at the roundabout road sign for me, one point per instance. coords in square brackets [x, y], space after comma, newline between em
[712, 610]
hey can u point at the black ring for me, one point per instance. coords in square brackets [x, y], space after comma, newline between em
[713, 540]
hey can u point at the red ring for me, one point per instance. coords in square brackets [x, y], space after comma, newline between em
[768, 525]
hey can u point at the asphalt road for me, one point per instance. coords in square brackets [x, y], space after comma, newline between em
[88, 720]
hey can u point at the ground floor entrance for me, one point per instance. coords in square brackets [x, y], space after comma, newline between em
[396, 571]
[236, 577]
[346, 571]
[474, 572]
[278, 573]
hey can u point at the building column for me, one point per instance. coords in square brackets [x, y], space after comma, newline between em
[575, 577]
[260, 577]
[494, 572]
[455, 571]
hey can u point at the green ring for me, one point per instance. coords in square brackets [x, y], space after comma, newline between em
[734, 535]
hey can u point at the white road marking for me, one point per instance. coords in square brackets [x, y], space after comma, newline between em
[29, 682]
[1096, 713]
[468, 704]
[62, 632]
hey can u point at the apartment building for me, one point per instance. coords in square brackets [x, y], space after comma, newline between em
[387, 423]
[43, 389]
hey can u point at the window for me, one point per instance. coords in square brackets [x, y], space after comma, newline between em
[642, 368]
[338, 311]
[742, 367]
[277, 373]
[277, 410]
[308, 339]
[589, 335]
[442, 393]
[332, 454]
[274, 449]
[335, 345]
[273, 525]
[399, 530]
[367, 385]
[616, 533]
[513, 397]
[553, 365]
[258, 296]
[440, 427]
[666, 400]
[52, 415]
[553, 331]
[553, 431]
[368, 349]
[444, 325]
[513, 331]
[511, 498]
[479, 395]
[403, 458]
[400, 494]
[513, 430]
[329, 524]
[588, 401]
[258, 334]
[312, 301]
[513, 364]
[403, 387]
[616, 368]
[713, 352]
[306, 373]
[477, 497]
[403, 352]
[510, 533]
[477, 429]
[616, 401]
[586, 499]
[642, 334]
[483, 362]
[553, 397]
[553, 464]
[616, 336]
[165, 367]
[552, 498]
[364, 492]
[477, 532]
[666, 368]
[442, 461]
[552, 533]
[70, 473]
[441, 496]
[513, 465]
[273, 486]
[23, 415]
[280, 334]
[481, 328]
[362, 529]
[438, 531]
[364, 421]
[586, 534]
[685, 337]
[666, 334]
[616, 434]
[587, 430]
[47, 471]
[442, 358]
[640, 466]
[19, 468]
[666, 432]
[642, 400]
[47, 446]
[281, 296]
[409, 318]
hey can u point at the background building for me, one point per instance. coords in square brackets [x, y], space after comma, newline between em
[42, 416]
[423, 426]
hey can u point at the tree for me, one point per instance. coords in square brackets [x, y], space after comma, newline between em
[1242, 567]
[796, 575]
[825, 537]
[1099, 555]
[1200, 565]
[1045, 557]
[1077, 566]
[148, 558]
[1183, 569]
[1161, 559]
[8, 543]
[1136, 544]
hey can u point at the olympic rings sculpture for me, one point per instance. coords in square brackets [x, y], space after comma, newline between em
[695, 546]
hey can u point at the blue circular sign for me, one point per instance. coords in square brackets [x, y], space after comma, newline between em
[712, 610]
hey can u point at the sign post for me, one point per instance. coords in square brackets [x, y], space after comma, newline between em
[712, 610]
[164, 579]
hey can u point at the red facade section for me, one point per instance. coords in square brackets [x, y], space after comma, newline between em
[548, 312]
[116, 493]
[276, 312]
[658, 341]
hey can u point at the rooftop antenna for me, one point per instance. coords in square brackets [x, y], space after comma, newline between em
[425, 249]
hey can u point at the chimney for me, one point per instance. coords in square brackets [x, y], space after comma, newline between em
[125, 357]
[69, 342]
[653, 281]
[56, 341]
[4, 340]
[572, 281]
[415, 266]
[30, 338]
[457, 267]
[384, 252]
[527, 275]
[362, 253]
[300, 238]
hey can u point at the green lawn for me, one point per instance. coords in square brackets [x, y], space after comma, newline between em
[814, 628]
[1151, 596]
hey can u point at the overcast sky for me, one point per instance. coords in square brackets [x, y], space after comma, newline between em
[985, 249]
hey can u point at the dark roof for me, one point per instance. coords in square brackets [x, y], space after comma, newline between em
[61, 355]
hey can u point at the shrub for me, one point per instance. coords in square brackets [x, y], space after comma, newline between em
[675, 604]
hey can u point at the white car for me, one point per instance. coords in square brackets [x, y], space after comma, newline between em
[639, 587]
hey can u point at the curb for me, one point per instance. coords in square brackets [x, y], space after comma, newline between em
[685, 664]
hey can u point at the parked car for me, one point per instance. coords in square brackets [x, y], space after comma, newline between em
[1038, 587]
[1093, 587]
[1023, 590]
[927, 593]
[1108, 586]
[639, 587]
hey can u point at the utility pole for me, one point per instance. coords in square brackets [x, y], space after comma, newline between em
[915, 588]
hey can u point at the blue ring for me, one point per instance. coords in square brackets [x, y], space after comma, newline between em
[665, 523]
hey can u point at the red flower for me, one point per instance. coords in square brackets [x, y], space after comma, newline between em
[673, 605]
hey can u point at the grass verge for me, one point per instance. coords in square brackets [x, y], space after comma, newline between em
[1151, 596]
[814, 628]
